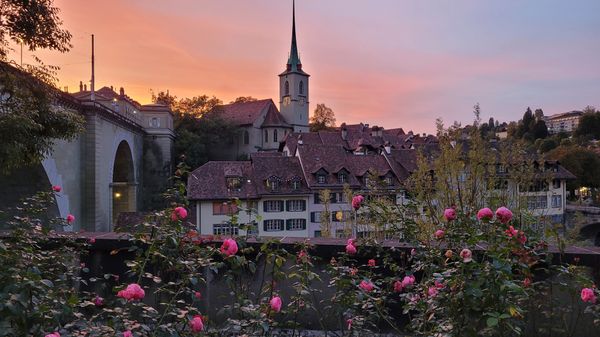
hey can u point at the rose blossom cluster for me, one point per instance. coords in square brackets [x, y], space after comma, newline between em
[350, 247]
[229, 247]
[357, 201]
[588, 295]
[179, 213]
[132, 292]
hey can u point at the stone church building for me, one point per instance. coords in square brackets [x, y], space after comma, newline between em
[261, 125]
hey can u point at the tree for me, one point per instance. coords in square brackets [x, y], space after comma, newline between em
[583, 163]
[589, 123]
[323, 118]
[547, 145]
[35, 24]
[539, 114]
[539, 129]
[196, 106]
[200, 132]
[30, 119]
[244, 99]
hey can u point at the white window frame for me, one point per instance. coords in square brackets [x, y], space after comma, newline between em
[273, 225]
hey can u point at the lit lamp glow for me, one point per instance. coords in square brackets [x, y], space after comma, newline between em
[117, 195]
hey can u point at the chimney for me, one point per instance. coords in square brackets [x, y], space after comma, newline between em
[122, 92]
[344, 132]
[80, 85]
[85, 87]
[111, 88]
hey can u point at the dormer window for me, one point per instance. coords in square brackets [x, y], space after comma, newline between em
[234, 183]
[273, 183]
[296, 183]
[154, 122]
[367, 181]
[321, 179]
[389, 181]
[342, 177]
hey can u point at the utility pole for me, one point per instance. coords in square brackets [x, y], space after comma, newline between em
[93, 80]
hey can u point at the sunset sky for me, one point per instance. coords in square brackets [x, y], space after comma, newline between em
[386, 62]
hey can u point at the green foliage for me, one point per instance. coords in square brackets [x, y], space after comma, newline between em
[530, 127]
[30, 119]
[36, 24]
[589, 124]
[201, 134]
[583, 163]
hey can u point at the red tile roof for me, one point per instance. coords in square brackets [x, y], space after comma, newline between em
[274, 118]
[246, 113]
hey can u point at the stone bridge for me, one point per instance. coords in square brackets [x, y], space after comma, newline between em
[104, 171]
[587, 218]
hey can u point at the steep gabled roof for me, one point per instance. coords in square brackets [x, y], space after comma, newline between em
[275, 118]
[243, 113]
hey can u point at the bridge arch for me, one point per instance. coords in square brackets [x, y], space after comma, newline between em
[123, 182]
[591, 232]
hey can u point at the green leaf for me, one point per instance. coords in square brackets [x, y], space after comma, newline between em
[492, 322]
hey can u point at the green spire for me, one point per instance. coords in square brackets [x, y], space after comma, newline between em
[294, 63]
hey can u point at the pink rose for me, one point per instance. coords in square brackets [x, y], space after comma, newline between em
[526, 282]
[197, 295]
[511, 232]
[275, 303]
[56, 188]
[439, 234]
[485, 214]
[367, 286]
[92, 240]
[438, 284]
[504, 214]
[179, 213]
[229, 247]
[350, 249]
[302, 256]
[587, 295]
[196, 324]
[132, 292]
[413, 252]
[466, 255]
[349, 323]
[398, 286]
[432, 291]
[70, 218]
[98, 301]
[127, 333]
[357, 201]
[408, 281]
[449, 214]
[371, 263]
[54, 334]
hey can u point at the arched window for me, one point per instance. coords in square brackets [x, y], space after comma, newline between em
[301, 88]
[246, 137]
[287, 87]
[266, 136]
[275, 135]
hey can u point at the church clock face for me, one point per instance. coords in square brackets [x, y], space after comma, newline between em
[286, 100]
[302, 101]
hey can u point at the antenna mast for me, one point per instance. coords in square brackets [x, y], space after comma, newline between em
[93, 80]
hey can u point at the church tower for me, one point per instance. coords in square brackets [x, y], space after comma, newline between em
[293, 87]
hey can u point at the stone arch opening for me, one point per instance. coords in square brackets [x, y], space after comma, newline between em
[22, 183]
[123, 185]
